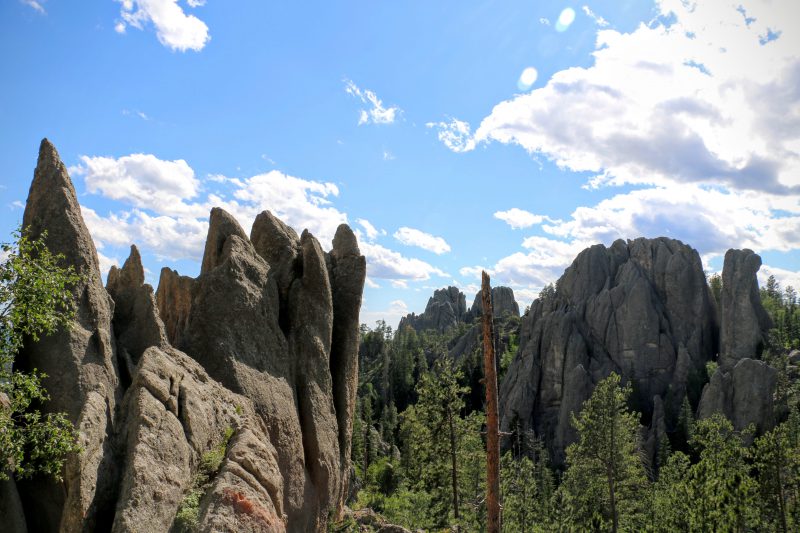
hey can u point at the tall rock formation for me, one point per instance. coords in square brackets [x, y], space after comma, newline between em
[742, 388]
[744, 322]
[446, 309]
[267, 376]
[80, 361]
[639, 308]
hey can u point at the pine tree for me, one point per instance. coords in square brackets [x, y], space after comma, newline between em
[671, 502]
[719, 483]
[436, 434]
[777, 460]
[605, 485]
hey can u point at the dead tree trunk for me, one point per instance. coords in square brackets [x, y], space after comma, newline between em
[492, 421]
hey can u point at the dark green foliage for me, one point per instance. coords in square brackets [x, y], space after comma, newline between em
[777, 461]
[782, 307]
[35, 300]
[605, 483]
[527, 484]
[721, 489]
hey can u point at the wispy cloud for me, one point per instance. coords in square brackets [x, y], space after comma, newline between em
[420, 239]
[519, 218]
[174, 28]
[375, 113]
[136, 113]
[455, 134]
[36, 6]
[600, 21]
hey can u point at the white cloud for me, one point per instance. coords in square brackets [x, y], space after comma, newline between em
[17, 204]
[371, 284]
[785, 277]
[455, 134]
[544, 21]
[397, 309]
[174, 28]
[37, 6]
[699, 101]
[172, 238]
[106, 263]
[383, 263]
[376, 113]
[600, 21]
[519, 218]
[388, 156]
[303, 204]
[709, 219]
[372, 231]
[420, 239]
[141, 180]
[196, 3]
[132, 112]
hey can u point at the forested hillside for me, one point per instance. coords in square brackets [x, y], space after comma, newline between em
[419, 451]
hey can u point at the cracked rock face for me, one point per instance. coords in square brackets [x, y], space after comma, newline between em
[261, 346]
[639, 308]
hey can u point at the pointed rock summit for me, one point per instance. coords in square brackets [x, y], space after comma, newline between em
[80, 361]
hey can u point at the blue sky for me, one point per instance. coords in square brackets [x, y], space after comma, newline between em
[452, 135]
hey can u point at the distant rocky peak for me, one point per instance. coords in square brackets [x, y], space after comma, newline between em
[502, 302]
[446, 308]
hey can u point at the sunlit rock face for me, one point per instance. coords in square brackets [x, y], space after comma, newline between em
[639, 308]
[259, 352]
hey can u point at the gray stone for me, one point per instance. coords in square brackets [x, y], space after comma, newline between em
[743, 394]
[80, 361]
[174, 300]
[136, 321]
[446, 309]
[744, 322]
[503, 302]
[639, 308]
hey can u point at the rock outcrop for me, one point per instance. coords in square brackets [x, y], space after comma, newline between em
[503, 302]
[744, 322]
[80, 361]
[639, 308]
[446, 309]
[743, 394]
[255, 360]
[741, 388]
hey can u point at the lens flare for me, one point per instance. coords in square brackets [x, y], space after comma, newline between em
[527, 79]
[565, 19]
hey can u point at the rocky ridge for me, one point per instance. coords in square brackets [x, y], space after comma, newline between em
[256, 357]
[642, 309]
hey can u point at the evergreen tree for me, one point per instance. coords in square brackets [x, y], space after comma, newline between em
[720, 486]
[527, 485]
[671, 504]
[605, 485]
[435, 437]
[777, 460]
